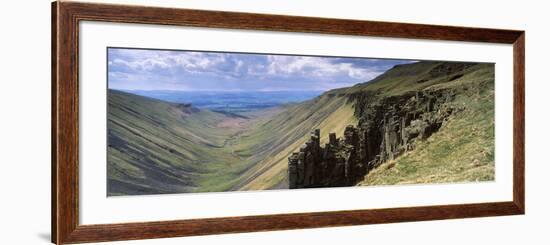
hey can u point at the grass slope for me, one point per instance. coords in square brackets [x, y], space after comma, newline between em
[405, 78]
[158, 147]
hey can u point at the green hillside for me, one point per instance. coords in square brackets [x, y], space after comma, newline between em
[160, 147]
[413, 77]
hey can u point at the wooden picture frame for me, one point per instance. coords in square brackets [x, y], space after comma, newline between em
[65, 121]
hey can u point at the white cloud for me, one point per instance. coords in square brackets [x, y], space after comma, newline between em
[210, 70]
[147, 60]
[316, 66]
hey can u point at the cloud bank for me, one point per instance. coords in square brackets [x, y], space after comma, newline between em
[141, 69]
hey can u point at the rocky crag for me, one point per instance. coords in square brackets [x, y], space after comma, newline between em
[388, 126]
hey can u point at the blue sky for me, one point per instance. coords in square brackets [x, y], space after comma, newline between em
[142, 69]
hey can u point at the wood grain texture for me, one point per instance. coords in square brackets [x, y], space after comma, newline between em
[65, 150]
[54, 123]
[519, 122]
[65, 121]
[234, 20]
[149, 230]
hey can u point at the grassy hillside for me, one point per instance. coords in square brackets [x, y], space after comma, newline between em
[160, 147]
[410, 77]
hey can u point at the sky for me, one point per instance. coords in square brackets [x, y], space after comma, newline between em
[147, 69]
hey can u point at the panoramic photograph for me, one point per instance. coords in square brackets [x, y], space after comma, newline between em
[200, 121]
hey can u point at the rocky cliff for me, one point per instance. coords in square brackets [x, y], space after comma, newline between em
[389, 125]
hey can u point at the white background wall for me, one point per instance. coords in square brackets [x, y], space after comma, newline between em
[25, 121]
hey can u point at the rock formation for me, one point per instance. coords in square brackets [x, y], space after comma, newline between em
[387, 127]
[338, 163]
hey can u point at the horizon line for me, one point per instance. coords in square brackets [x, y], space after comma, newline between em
[179, 90]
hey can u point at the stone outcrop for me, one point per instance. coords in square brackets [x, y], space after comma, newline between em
[338, 163]
[387, 127]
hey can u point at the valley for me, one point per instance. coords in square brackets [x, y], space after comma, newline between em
[161, 147]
